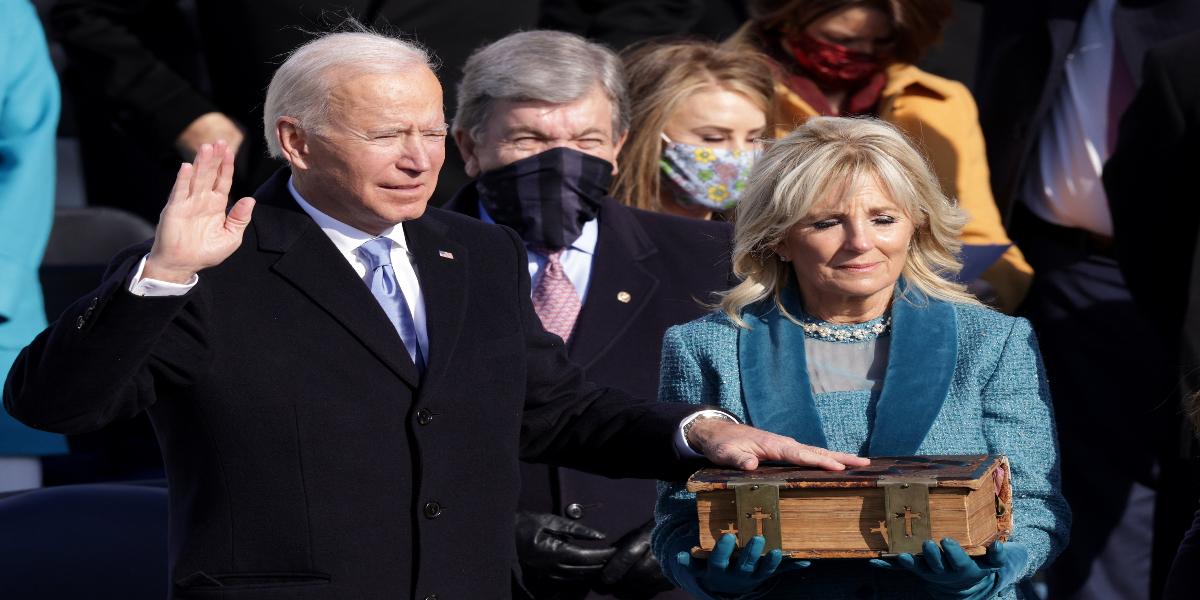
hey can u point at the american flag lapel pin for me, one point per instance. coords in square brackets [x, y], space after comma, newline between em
[444, 254]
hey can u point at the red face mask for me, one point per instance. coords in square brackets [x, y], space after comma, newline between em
[832, 65]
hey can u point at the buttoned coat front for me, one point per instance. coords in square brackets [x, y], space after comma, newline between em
[306, 456]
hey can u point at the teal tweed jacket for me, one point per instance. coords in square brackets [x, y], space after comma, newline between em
[960, 379]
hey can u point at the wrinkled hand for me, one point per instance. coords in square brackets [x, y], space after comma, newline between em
[633, 572]
[207, 129]
[194, 232]
[742, 575]
[741, 446]
[548, 557]
[950, 573]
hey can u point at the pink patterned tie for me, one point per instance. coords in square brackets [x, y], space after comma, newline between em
[554, 297]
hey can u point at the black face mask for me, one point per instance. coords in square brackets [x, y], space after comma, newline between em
[547, 197]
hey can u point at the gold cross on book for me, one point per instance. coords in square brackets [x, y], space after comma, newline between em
[908, 515]
[758, 515]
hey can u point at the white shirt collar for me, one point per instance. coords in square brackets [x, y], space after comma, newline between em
[586, 242]
[346, 238]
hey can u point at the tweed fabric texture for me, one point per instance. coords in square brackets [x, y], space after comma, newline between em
[998, 402]
[554, 297]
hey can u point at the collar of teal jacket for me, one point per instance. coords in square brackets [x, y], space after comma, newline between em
[921, 363]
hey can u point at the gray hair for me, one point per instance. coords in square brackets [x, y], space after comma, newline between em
[547, 66]
[302, 85]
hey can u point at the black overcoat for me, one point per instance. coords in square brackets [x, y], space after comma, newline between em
[306, 458]
[650, 271]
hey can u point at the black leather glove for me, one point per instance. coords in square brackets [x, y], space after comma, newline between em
[548, 558]
[633, 573]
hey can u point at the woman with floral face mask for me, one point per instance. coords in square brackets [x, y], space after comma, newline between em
[698, 110]
[856, 57]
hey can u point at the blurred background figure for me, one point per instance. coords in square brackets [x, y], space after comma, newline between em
[29, 107]
[851, 57]
[1155, 208]
[543, 117]
[699, 109]
[153, 79]
[1053, 81]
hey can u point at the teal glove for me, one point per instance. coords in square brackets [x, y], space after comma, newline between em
[742, 576]
[953, 575]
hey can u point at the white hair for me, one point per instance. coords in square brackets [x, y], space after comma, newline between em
[547, 66]
[302, 85]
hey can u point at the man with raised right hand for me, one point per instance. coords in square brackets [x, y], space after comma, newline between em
[343, 385]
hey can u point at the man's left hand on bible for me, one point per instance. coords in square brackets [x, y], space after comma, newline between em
[742, 447]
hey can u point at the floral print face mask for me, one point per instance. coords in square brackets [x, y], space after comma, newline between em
[705, 177]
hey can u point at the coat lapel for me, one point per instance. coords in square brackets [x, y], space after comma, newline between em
[619, 287]
[310, 262]
[921, 364]
[774, 372]
[442, 271]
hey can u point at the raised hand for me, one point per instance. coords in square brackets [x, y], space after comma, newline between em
[741, 446]
[194, 232]
[724, 575]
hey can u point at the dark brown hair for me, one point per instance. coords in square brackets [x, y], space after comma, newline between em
[661, 76]
[918, 23]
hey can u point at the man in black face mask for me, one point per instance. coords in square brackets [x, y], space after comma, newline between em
[542, 116]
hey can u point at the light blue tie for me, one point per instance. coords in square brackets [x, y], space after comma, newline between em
[381, 278]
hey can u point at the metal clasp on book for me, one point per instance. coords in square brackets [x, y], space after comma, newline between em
[906, 523]
[758, 511]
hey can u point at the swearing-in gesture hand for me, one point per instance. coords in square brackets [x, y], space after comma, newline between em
[194, 232]
[742, 447]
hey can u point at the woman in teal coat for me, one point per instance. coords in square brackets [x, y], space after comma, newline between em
[29, 104]
[848, 332]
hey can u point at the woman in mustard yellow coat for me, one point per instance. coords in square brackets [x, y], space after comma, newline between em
[855, 57]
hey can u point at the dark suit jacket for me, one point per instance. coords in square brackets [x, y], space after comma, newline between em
[1151, 186]
[666, 264]
[306, 458]
[1023, 48]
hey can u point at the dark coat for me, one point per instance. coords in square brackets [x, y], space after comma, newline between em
[305, 457]
[1023, 49]
[667, 265]
[1151, 186]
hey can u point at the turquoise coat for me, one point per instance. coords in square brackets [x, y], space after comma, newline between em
[960, 379]
[29, 103]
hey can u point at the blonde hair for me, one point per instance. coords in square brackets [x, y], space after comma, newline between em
[661, 77]
[829, 158]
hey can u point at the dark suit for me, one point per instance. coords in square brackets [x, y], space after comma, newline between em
[1150, 182]
[666, 264]
[1108, 370]
[306, 457]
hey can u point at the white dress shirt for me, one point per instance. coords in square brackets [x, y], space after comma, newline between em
[576, 259]
[347, 240]
[1066, 188]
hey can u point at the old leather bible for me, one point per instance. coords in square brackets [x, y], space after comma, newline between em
[891, 506]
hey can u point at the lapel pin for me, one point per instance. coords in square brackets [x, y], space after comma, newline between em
[624, 297]
[444, 254]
